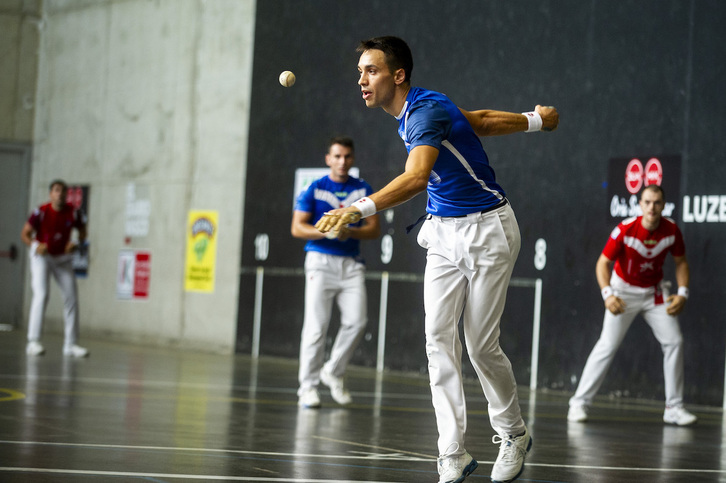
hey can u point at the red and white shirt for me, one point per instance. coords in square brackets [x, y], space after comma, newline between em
[54, 227]
[639, 254]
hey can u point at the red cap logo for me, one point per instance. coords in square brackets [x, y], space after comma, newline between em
[653, 172]
[634, 175]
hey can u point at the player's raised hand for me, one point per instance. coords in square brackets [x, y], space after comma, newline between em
[616, 305]
[335, 220]
[550, 117]
[676, 303]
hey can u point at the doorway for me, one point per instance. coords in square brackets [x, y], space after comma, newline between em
[14, 179]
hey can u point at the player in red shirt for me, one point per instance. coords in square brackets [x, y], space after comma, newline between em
[639, 246]
[48, 234]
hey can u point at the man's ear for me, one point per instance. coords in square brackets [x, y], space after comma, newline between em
[399, 76]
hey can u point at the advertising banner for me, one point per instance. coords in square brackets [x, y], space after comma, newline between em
[133, 275]
[305, 176]
[201, 257]
[78, 197]
[628, 176]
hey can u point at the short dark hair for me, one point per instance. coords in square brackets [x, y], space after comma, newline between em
[55, 182]
[653, 187]
[395, 51]
[343, 141]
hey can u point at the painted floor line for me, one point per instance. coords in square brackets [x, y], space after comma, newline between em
[398, 456]
[174, 476]
[621, 468]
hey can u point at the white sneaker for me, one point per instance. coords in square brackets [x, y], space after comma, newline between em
[309, 398]
[679, 415]
[577, 414]
[454, 469]
[337, 387]
[34, 348]
[75, 351]
[510, 462]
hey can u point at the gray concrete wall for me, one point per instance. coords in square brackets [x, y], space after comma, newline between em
[148, 97]
[19, 28]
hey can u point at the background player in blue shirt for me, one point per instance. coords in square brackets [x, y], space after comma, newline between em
[333, 270]
[472, 241]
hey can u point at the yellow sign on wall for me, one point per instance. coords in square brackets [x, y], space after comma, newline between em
[201, 256]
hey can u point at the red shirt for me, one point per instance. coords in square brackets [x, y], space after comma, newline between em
[639, 254]
[54, 227]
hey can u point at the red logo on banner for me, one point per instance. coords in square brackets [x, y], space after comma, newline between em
[634, 175]
[653, 172]
[74, 196]
[142, 274]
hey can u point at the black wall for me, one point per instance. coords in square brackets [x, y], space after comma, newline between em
[629, 78]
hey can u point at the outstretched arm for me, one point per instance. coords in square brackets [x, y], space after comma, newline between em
[411, 182]
[402, 188]
[302, 228]
[487, 122]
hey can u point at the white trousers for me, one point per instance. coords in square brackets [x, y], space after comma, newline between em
[665, 329]
[329, 278]
[468, 267]
[61, 268]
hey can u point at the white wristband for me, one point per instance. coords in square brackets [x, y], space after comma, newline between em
[366, 206]
[683, 292]
[534, 121]
[607, 292]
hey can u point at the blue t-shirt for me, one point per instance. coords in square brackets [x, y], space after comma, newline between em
[461, 181]
[324, 195]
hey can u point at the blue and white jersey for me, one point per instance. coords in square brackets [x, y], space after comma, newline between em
[461, 181]
[324, 195]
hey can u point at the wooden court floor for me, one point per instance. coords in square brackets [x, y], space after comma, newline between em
[143, 414]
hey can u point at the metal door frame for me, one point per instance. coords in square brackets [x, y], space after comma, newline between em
[24, 150]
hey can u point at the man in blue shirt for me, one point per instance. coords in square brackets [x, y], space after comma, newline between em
[333, 270]
[472, 241]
